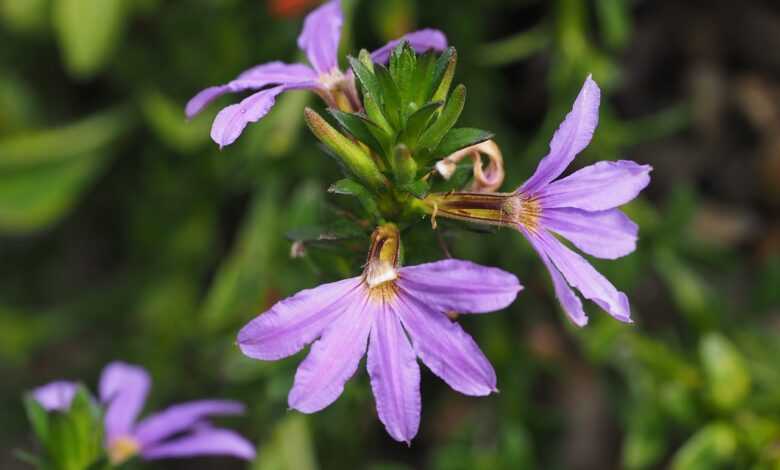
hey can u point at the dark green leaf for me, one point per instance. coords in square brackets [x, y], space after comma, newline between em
[442, 74]
[390, 96]
[350, 187]
[449, 116]
[367, 79]
[418, 122]
[358, 126]
[459, 138]
[418, 189]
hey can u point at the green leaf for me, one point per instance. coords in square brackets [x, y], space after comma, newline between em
[358, 126]
[38, 418]
[88, 32]
[418, 189]
[290, 448]
[404, 166]
[377, 116]
[350, 187]
[726, 372]
[449, 116]
[713, 446]
[25, 15]
[459, 138]
[445, 65]
[418, 122]
[164, 117]
[423, 77]
[402, 68]
[368, 81]
[391, 98]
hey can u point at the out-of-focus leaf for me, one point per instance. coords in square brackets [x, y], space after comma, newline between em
[166, 119]
[728, 380]
[645, 441]
[713, 446]
[38, 418]
[240, 285]
[615, 20]
[290, 447]
[515, 48]
[689, 291]
[24, 15]
[88, 32]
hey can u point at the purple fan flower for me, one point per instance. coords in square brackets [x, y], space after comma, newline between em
[177, 431]
[582, 208]
[56, 396]
[320, 41]
[398, 315]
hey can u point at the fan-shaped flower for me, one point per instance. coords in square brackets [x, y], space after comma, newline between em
[320, 41]
[398, 314]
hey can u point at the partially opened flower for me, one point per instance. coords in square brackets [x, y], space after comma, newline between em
[178, 431]
[56, 396]
[320, 41]
[581, 207]
[398, 314]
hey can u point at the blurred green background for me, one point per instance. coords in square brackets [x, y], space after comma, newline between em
[126, 234]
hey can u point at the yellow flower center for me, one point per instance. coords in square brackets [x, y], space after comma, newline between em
[122, 448]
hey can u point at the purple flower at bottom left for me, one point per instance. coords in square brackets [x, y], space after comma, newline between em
[177, 431]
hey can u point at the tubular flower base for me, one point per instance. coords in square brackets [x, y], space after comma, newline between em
[381, 311]
[178, 431]
[320, 41]
[581, 207]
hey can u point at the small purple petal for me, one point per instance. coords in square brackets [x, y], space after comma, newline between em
[445, 348]
[123, 387]
[601, 186]
[55, 396]
[206, 441]
[573, 135]
[260, 76]
[395, 377]
[180, 418]
[333, 358]
[460, 286]
[296, 321]
[421, 41]
[582, 276]
[569, 300]
[231, 121]
[321, 35]
[606, 234]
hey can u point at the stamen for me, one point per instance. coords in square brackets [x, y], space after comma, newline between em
[121, 449]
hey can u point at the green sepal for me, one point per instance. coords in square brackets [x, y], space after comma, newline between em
[449, 116]
[76, 436]
[350, 187]
[403, 164]
[460, 138]
[418, 189]
[358, 126]
[418, 122]
[38, 417]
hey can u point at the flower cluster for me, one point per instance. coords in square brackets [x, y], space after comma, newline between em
[178, 431]
[396, 140]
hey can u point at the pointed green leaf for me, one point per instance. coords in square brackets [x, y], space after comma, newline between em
[418, 189]
[443, 75]
[350, 187]
[358, 127]
[404, 166]
[424, 77]
[418, 122]
[376, 115]
[449, 116]
[459, 138]
[402, 67]
[390, 95]
[366, 77]
[38, 417]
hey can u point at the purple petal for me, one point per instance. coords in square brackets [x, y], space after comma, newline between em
[180, 418]
[460, 286]
[445, 348]
[206, 441]
[421, 41]
[260, 76]
[55, 396]
[601, 186]
[569, 300]
[296, 321]
[395, 377]
[123, 388]
[333, 358]
[606, 234]
[582, 276]
[320, 36]
[231, 121]
[571, 138]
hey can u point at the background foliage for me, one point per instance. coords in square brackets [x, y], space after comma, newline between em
[126, 234]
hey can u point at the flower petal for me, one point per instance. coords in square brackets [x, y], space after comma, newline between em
[421, 41]
[206, 441]
[231, 121]
[123, 388]
[321, 35]
[296, 321]
[395, 376]
[333, 358]
[583, 277]
[179, 418]
[444, 347]
[55, 396]
[272, 73]
[601, 186]
[569, 300]
[606, 234]
[571, 138]
[460, 286]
